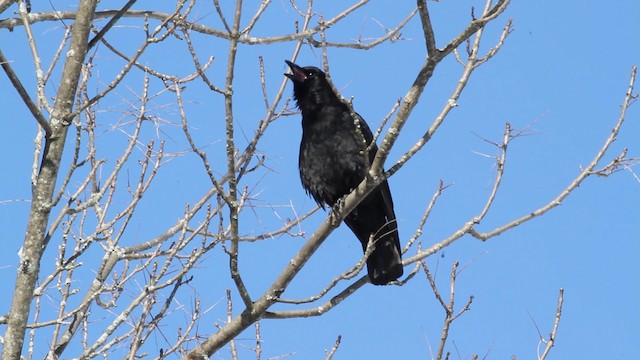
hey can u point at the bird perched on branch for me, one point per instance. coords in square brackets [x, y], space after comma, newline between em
[334, 160]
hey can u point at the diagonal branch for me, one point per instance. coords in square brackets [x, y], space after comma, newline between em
[111, 22]
[24, 95]
[413, 95]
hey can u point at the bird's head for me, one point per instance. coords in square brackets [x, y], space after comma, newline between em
[310, 86]
[304, 75]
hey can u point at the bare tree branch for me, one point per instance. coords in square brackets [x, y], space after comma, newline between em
[447, 306]
[334, 348]
[586, 172]
[43, 192]
[111, 22]
[24, 95]
[552, 336]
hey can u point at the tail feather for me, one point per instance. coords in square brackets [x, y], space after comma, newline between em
[385, 263]
[369, 221]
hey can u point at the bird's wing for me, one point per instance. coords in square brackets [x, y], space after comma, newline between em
[384, 186]
[388, 205]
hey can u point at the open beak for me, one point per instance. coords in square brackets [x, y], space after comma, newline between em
[297, 73]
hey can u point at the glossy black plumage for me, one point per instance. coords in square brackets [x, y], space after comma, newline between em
[332, 164]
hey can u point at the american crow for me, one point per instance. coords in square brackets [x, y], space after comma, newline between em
[332, 164]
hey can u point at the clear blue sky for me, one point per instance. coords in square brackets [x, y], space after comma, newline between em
[563, 71]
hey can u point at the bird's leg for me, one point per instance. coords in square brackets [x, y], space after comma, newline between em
[336, 211]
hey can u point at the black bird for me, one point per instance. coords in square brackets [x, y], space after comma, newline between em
[332, 164]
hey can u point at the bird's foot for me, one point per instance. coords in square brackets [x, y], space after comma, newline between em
[336, 212]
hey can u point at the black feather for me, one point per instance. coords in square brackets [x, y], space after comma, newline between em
[332, 164]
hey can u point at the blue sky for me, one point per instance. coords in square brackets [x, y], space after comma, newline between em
[563, 73]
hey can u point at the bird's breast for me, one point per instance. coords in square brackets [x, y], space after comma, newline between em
[331, 164]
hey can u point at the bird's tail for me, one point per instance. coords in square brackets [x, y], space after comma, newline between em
[384, 263]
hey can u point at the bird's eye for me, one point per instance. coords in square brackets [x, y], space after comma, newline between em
[310, 74]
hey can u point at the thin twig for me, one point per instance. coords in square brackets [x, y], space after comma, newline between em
[448, 307]
[425, 215]
[329, 354]
[552, 336]
[24, 95]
